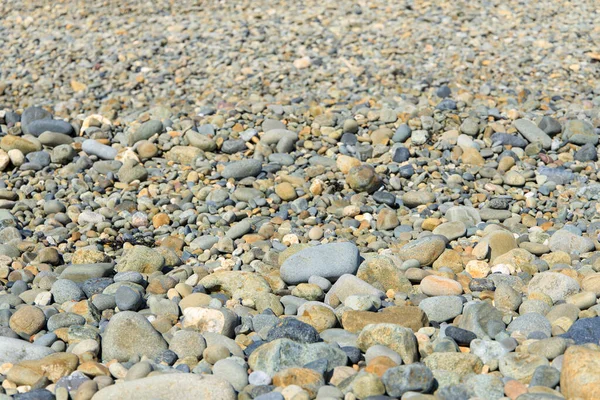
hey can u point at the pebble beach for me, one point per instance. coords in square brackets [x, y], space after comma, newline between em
[280, 200]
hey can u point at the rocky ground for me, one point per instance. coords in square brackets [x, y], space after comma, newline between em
[298, 200]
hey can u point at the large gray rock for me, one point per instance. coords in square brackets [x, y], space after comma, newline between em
[328, 261]
[482, 319]
[170, 387]
[567, 241]
[82, 272]
[32, 114]
[579, 132]
[557, 286]
[16, 350]
[36, 128]
[242, 169]
[129, 334]
[280, 354]
[532, 133]
[441, 308]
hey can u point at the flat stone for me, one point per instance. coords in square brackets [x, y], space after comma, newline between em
[408, 316]
[17, 350]
[532, 133]
[170, 387]
[329, 261]
[280, 354]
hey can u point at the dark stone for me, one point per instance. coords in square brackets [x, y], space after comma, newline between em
[94, 286]
[506, 139]
[386, 198]
[462, 337]
[585, 330]
[443, 92]
[408, 378]
[446, 105]
[545, 375]
[402, 134]
[128, 299]
[550, 126]
[32, 114]
[233, 146]
[353, 353]
[295, 330]
[37, 394]
[168, 356]
[407, 171]
[401, 155]
[453, 392]
[587, 152]
[481, 284]
[36, 128]
[499, 203]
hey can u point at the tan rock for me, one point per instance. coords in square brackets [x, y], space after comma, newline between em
[27, 320]
[408, 316]
[286, 191]
[317, 315]
[451, 259]
[382, 273]
[478, 269]
[471, 156]
[345, 163]
[433, 285]
[557, 257]
[308, 379]
[579, 378]
[54, 367]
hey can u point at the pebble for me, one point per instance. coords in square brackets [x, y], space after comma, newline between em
[333, 221]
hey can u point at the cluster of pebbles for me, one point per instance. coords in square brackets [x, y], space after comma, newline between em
[247, 201]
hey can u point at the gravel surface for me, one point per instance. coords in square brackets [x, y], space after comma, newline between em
[299, 200]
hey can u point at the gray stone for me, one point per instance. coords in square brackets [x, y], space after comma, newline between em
[17, 350]
[36, 128]
[441, 308]
[242, 169]
[579, 132]
[128, 335]
[557, 286]
[529, 323]
[481, 318]
[408, 378]
[146, 131]
[328, 261]
[64, 290]
[280, 354]
[31, 114]
[53, 139]
[102, 151]
[233, 372]
[532, 133]
[170, 386]
[564, 240]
